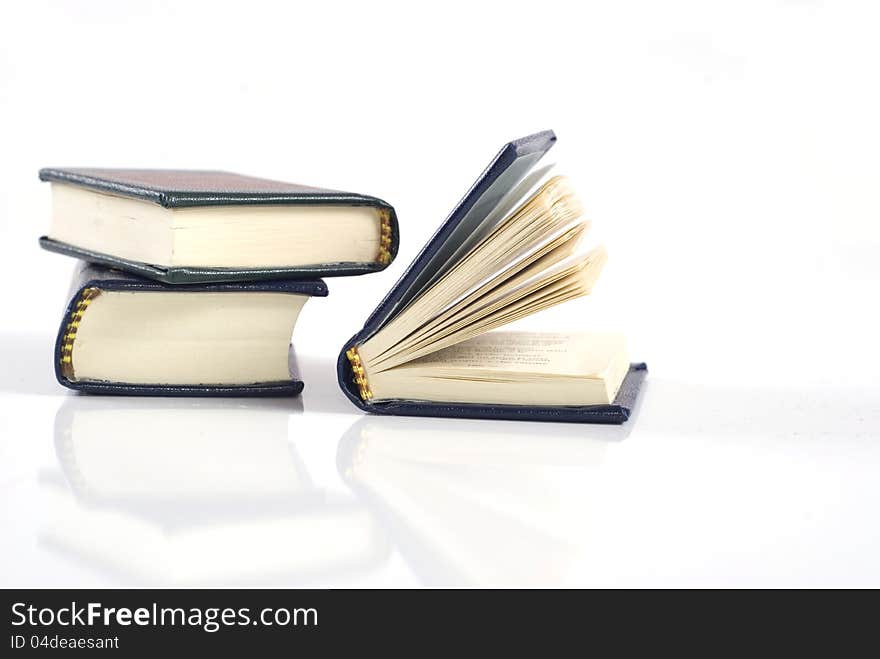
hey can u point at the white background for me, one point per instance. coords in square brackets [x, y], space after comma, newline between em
[726, 152]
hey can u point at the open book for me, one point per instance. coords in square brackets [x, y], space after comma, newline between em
[514, 246]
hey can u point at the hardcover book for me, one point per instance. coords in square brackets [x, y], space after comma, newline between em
[122, 334]
[511, 248]
[180, 226]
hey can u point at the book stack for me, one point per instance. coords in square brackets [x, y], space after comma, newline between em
[191, 281]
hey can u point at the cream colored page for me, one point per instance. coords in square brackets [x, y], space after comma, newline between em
[510, 279]
[127, 228]
[214, 236]
[186, 338]
[516, 368]
[577, 354]
[275, 236]
[537, 221]
[556, 288]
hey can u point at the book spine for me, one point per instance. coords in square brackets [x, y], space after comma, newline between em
[69, 336]
[384, 237]
[360, 375]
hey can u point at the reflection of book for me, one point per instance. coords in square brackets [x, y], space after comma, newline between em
[192, 492]
[472, 503]
[177, 452]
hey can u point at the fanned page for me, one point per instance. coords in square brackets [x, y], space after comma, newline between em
[528, 255]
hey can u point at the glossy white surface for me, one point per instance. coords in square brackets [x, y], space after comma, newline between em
[727, 153]
[708, 485]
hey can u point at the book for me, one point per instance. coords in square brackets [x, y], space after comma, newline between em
[123, 334]
[513, 246]
[182, 226]
[180, 491]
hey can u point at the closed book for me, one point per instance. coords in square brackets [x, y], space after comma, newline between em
[194, 226]
[122, 334]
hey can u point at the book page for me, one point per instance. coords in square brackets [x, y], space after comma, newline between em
[555, 354]
[434, 265]
[512, 368]
[569, 280]
[546, 221]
